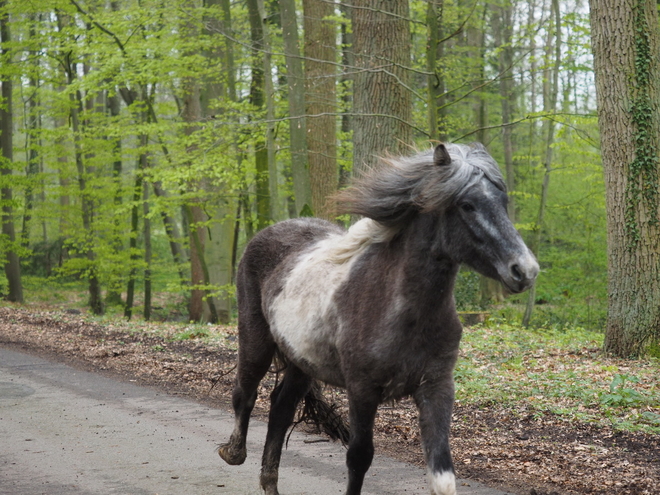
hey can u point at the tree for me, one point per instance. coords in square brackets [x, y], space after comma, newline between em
[12, 265]
[550, 94]
[626, 59]
[257, 88]
[381, 96]
[321, 103]
[296, 101]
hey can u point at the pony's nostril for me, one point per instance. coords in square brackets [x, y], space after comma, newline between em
[517, 273]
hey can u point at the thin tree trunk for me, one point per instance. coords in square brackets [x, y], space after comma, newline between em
[296, 101]
[135, 218]
[12, 263]
[32, 140]
[221, 204]
[113, 294]
[346, 98]
[550, 98]
[321, 103]
[146, 313]
[434, 10]
[257, 100]
[76, 107]
[504, 38]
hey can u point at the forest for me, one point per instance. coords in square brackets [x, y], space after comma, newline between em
[145, 142]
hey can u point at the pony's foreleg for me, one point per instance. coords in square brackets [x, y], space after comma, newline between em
[253, 362]
[283, 403]
[435, 402]
[362, 411]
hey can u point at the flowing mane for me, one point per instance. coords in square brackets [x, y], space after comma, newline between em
[401, 186]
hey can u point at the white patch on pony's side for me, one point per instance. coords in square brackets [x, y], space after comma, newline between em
[303, 316]
[442, 483]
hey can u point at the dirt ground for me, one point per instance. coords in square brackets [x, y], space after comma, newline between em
[521, 451]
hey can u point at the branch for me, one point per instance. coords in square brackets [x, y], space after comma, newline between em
[100, 26]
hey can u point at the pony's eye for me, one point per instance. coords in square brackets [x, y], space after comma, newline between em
[468, 207]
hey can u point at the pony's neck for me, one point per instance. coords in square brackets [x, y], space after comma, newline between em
[427, 272]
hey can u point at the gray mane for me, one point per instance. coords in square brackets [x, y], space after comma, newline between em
[402, 186]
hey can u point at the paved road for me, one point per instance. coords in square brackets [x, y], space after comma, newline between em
[65, 431]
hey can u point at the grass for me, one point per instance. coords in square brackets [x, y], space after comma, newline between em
[561, 372]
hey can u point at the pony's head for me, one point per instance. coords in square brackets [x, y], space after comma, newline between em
[459, 190]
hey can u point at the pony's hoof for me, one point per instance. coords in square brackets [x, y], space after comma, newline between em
[231, 454]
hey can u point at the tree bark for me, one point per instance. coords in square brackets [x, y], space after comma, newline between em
[503, 30]
[33, 125]
[296, 101]
[433, 79]
[626, 60]
[381, 98]
[146, 311]
[321, 104]
[257, 100]
[135, 217]
[222, 203]
[12, 263]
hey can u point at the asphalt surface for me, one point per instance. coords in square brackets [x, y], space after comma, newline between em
[66, 431]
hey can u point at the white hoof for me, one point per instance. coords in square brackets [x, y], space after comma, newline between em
[443, 483]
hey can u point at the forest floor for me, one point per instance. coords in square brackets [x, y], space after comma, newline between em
[523, 450]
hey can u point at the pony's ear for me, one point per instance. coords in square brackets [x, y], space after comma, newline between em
[441, 156]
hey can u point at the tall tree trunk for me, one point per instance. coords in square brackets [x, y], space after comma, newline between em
[503, 30]
[346, 100]
[12, 263]
[76, 107]
[113, 294]
[135, 218]
[381, 98]
[626, 61]
[551, 92]
[434, 10]
[197, 219]
[146, 312]
[257, 100]
[320, 98]
[32, 138]
[222, 203]
[296, 100]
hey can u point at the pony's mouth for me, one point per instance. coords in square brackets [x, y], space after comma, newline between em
[520, 275]
[517, 287]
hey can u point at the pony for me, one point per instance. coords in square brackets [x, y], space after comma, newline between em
[372, 309]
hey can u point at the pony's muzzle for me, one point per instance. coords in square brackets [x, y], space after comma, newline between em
[522, 273]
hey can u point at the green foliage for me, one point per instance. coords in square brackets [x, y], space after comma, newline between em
[467, 291]
[622, 396]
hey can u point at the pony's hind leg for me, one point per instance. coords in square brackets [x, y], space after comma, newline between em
[283, 403]
[255, 354]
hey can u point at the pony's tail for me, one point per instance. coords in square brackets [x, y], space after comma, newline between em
[318, 411]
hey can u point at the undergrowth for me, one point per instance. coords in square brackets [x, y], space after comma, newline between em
[562, 372]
